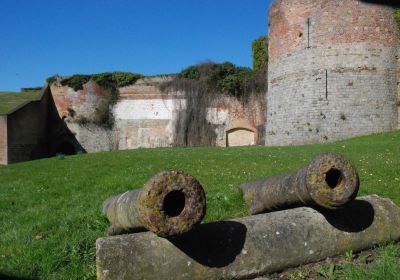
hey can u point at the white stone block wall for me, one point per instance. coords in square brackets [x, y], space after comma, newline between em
[334, 93]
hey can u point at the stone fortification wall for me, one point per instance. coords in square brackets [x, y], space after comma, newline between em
[146, 117]
[333, 71]
[3, 140]
[237, 123]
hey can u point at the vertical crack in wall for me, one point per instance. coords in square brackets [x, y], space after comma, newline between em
[326, 84]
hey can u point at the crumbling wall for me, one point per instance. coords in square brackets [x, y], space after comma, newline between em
[332, 71]
[3, 140]
[144, 116]
[87, 114]
[89, 104]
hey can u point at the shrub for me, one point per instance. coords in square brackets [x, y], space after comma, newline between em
[224, 78]
[122, 79]
[76, 81]
[397, 16]
[106, 80]
[260, 53]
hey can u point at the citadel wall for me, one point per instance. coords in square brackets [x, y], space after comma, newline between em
[333, 71]
[237, 123]
[146, 117]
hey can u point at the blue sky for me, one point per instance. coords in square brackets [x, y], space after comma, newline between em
[40, 38]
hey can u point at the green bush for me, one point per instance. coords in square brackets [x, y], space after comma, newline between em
[76, 81]
[397, 16]
[122, 79]
[106, 80]
[224, 78]
[260, 53]
[192, 72]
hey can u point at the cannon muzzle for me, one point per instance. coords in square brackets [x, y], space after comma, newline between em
[169, 204]
[330, 181]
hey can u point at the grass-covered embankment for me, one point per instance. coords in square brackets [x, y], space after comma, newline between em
[50, 209]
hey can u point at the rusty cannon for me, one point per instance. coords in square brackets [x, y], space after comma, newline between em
[330, 181]
[171, 203]
[251, 246]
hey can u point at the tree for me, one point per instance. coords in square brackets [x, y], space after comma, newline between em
[260, 53]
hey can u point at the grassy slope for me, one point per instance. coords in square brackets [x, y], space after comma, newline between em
[10, 100]
[50, 209]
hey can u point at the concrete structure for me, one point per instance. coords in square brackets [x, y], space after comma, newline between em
[333, 71]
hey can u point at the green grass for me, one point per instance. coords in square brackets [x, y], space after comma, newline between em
[11, 100]
[50, 209]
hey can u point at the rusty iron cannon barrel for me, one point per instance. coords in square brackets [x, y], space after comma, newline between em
[171, 203]
[330, 181]
[251, 246]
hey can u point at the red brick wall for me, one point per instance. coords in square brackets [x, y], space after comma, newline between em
[331, 22]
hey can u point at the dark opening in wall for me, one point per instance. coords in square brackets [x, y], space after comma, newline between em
[66, 148]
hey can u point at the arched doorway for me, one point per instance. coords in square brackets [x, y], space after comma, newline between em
[240, 136]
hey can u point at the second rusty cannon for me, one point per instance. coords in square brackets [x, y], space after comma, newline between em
[330, 181]
[169, 204]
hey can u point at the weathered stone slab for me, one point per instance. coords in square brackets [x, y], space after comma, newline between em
[251, 246]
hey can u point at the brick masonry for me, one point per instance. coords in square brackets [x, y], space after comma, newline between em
[146, 117]
[333, 71]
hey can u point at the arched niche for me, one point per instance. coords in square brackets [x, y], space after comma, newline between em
[240, 136]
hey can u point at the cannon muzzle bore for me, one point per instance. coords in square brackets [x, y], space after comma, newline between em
[330, 181]
[170, 204]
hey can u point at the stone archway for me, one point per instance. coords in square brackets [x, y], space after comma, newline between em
[241, 136]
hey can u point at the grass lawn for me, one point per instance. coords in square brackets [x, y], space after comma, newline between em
[50, 209]
[10, 100]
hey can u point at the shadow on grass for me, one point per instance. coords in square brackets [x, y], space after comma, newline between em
[11, 277]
